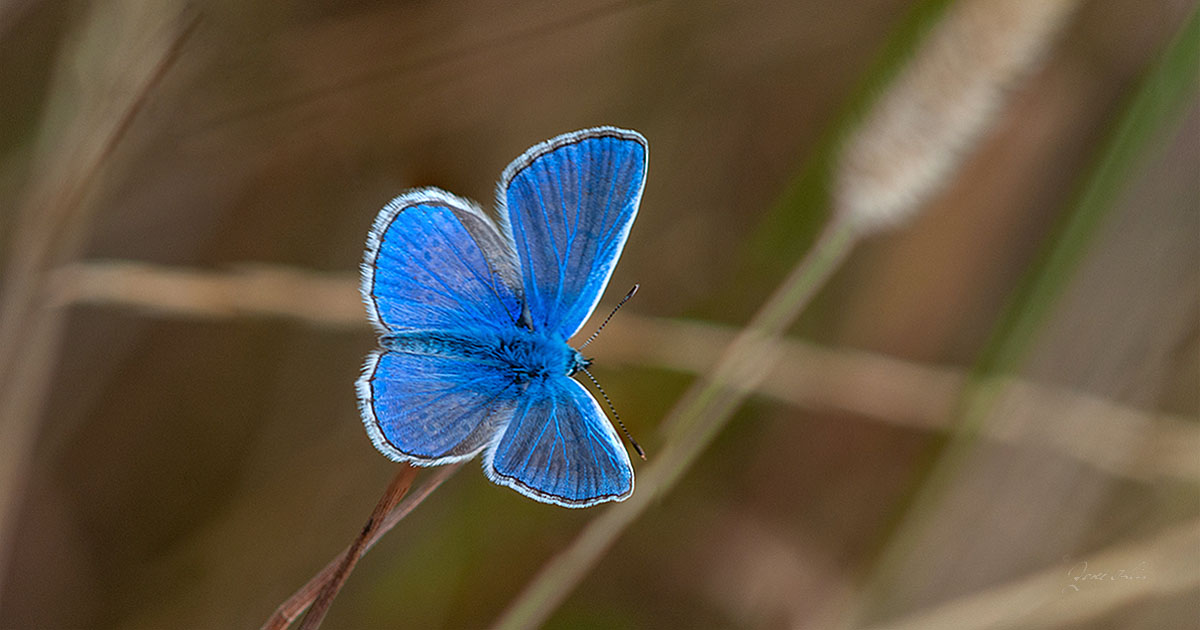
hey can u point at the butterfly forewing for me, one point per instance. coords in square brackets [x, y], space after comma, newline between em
[569, 203]
[435, 262]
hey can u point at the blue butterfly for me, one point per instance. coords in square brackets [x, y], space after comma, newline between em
[474, 317]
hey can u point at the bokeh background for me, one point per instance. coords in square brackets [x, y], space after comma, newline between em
[185, 190]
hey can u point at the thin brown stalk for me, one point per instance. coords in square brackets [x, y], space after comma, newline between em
[294, 606]
[391, 496]
[259, 290]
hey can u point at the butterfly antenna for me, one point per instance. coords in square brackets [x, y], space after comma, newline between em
[610, 316]
[637, 447]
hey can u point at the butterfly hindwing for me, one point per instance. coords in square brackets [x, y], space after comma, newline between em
[569, 203]
[432, 410]
[559, 448]
[435, 261]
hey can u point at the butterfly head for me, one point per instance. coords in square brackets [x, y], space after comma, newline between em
[578, 362]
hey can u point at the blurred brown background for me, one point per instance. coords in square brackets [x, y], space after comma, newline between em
[190, 467]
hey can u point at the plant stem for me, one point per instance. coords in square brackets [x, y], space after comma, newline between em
[391, 496]
[294, 606]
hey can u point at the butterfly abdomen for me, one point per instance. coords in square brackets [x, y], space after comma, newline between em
[518, 352]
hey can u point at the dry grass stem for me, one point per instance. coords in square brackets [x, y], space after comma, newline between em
[294, 606]
[1103, 434]
[391, 496]
[322, 299]
[1078, 591]
[943, 100]
[102, 81]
